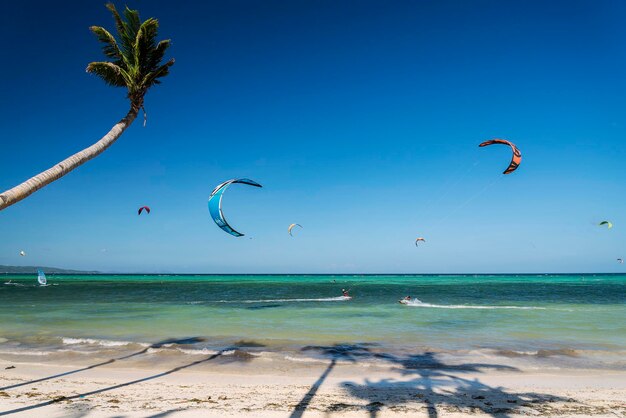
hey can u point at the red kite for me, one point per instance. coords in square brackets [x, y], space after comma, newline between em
[517, 155]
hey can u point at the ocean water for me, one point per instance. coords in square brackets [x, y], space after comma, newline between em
[560, 320]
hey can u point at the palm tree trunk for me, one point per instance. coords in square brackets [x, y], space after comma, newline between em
[33, 184]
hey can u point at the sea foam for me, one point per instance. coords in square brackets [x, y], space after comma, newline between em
[333, 299]
[103, 343]
[420, 304]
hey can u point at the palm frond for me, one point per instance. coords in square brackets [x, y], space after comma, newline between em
[133, 22]
[110, 47]
[112, 74]
[152, 78]
[119, 23]
[145, 43]
[156, 55]
[124, 33]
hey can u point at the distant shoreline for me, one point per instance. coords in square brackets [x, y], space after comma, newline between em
[33, 270]
[58, 271]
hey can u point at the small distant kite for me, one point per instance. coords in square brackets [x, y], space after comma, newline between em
[418, 240]
[291, 227]
[619, 260]
[608, 224]
[22, 253]
[215, 204]
[517, 155]
[141, 209]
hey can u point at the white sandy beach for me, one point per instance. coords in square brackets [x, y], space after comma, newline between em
[344, 390]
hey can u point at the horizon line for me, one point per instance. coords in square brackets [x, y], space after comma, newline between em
[88, 273]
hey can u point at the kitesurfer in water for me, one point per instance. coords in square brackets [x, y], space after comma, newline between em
[345, 293]
[408, 300]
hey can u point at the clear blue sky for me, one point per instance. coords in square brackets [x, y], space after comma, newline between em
[360, 118]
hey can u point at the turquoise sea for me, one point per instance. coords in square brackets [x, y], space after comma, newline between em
[563, 320]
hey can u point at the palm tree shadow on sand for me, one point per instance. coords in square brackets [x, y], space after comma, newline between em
[437, 385]
[240, 358]
[344, 352]
[441, 385]
[175, 341]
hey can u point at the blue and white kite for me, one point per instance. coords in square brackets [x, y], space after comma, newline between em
[215, 204]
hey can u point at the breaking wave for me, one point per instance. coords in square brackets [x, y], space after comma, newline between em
[103, 343]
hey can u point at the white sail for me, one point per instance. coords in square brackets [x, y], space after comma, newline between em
[41, 277]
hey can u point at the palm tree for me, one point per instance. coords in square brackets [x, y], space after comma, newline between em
[136, 64]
